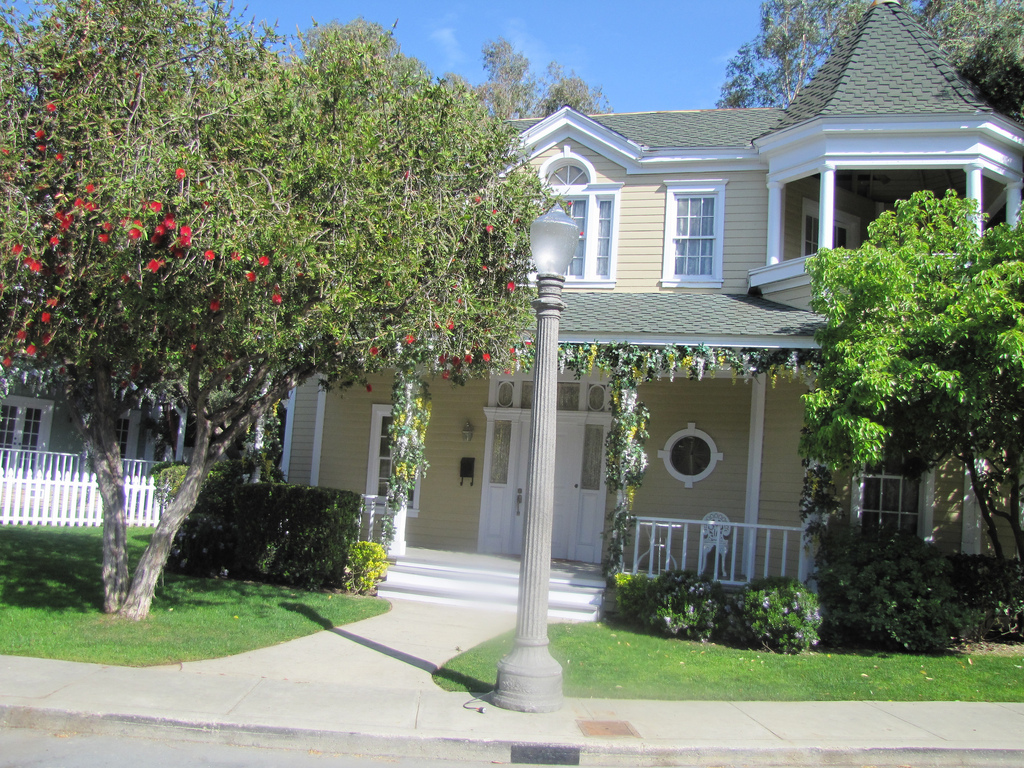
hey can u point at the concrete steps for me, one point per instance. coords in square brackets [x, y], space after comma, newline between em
[573, 595]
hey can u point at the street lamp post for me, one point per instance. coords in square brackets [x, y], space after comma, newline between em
[529, 680]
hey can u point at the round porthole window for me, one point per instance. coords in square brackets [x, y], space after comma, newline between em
[690, 455]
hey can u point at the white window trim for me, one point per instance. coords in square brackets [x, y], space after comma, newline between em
[594, 193]
[45, 420]
[703, 188]
[377, 414]
[925, 503]
[134, 420]
[839, 219]
[666, 455]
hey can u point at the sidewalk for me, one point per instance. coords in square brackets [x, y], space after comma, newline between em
[365, 688]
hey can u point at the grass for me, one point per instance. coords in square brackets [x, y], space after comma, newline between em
[51, 603]
[601, 661]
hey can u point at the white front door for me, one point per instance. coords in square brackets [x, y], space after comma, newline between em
[25, 423]
[579, 492]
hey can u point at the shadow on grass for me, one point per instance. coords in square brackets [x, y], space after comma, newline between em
[315, 616]
[59, 569]
[470, 683]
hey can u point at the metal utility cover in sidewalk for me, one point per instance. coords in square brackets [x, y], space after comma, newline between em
[607, 728]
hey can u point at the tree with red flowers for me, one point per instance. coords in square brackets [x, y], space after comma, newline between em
[186, 215]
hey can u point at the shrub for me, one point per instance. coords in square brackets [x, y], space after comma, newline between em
[779, 614]
[889, 591]
[217, 496]
[367, 564]
[203, 546]
[678, 603]
[168, 480]
[992, 590]
[296, 535]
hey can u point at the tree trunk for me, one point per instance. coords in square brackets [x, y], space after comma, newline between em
[1015, 515]
[140, 597]
[985, 505]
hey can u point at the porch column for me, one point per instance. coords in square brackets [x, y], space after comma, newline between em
[775, 214]
[1013, 202]
[755, 454]
[827, 207]
[974, 186]
[289, 426]
[318, 436]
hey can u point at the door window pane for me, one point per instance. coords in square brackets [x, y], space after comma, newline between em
[500, 452]
[593, 452]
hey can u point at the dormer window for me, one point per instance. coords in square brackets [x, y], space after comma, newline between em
[593, 206]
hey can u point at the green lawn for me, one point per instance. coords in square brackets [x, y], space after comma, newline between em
[600, 661]
[51, 600]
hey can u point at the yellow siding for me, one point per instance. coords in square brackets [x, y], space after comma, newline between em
[607, 171]
[303, 429]
[449, 514]
[947, 518]
[794, 297]
[722, 410]
[782, 476]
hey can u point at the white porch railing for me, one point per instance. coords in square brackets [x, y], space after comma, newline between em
[751, 551]
[47, 488]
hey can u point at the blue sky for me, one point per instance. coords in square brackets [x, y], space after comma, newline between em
[645, 55]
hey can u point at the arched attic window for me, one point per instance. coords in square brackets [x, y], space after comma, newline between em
[593, 213]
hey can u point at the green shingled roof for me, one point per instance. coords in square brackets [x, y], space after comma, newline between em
[683, 317]
[690, 129]
[890, 65]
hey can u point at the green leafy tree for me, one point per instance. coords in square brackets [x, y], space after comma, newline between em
[186, 216]
[923, 352]
[512, 90]
[795, 38]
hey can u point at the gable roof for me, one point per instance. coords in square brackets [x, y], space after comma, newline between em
[684, 129]
[721, 319]
[890, 65]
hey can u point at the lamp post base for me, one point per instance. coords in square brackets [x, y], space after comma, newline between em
[529, 680]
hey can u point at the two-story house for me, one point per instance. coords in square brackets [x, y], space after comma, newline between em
[694, 227]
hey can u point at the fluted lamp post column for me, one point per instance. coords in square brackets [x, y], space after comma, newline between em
[529, 680]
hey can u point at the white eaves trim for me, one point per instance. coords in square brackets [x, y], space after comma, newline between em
[792, 270]
[738, 342]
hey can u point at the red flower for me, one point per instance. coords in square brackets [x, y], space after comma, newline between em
[511, 286]
[18, 248]
[476, 199]
[79, 202]
[451, 325]
[445, 375]
[215, 306]
[42, 148]
[45, 317]
[55, 241]
[134, 233]
[21, 335]
[276, 298]
[374, 351]
[489, 228]
[107, 226]
[468, 358]
[51, 107]
[494, 211]
[91, 206]
[192, 347]
[409, 339]
[30, 349]
[51, 302]
[235, 256]
[264, 261]
[156, 206]
[169, 223]
[47, 338]
[154, 265]
[90, 188]
[210, 255]
[369, 388]
[40, 134]
[487, 357]
[126, 278]
[34, 265]
[177, 253]
[59, 155]
[483, 267]
[185, 235]
[250, 276]
[179, 174]
[7, 362]
[441, 359]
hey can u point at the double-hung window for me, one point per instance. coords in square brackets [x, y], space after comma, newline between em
[593, 206]
[694, 231]
[885, 499]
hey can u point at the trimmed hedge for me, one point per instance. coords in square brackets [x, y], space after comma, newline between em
[296, 535]
[893, 592]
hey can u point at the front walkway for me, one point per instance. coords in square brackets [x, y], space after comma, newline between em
[365, 689]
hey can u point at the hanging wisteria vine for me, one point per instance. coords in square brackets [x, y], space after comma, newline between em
[410, 415]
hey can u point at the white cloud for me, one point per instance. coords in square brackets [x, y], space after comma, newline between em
[449, 45]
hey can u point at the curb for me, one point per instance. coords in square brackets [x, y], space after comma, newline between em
[403, 745]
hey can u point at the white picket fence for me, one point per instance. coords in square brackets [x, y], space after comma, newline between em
[62, 493]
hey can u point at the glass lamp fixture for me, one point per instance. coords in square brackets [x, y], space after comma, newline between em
[553, 240]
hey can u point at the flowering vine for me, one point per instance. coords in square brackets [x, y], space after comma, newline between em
[410, 415]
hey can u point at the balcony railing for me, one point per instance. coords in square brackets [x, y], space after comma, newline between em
[732, 553]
